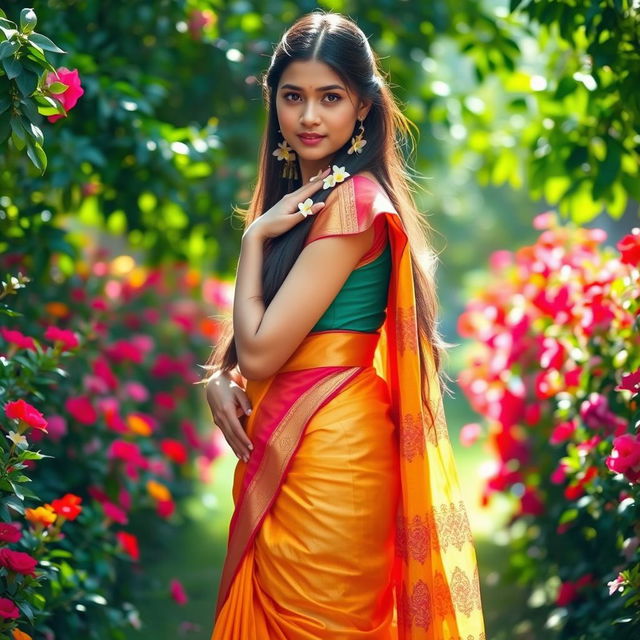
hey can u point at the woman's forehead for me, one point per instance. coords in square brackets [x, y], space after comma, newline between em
[311, 75]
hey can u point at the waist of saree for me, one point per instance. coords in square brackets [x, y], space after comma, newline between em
[333, 349]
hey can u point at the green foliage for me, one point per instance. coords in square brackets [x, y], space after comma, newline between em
[163, 143]
[24, 56]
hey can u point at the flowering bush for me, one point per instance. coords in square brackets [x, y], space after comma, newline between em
[555, 370]
[97, 407]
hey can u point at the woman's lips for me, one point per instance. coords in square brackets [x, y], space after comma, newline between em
[311, 140]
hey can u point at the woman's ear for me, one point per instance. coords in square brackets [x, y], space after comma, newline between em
[365, 106]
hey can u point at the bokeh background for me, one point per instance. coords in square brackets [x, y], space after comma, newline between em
[117, 229]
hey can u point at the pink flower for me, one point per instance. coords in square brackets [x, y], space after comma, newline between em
[630, 381]
[123, 350]
[66, 338]
[530, 502]
[81, 409]
[114, 512]
[18, 561]
[625, 456]
[177, 591]
[8, 609]
[9, 532]
[470, 433]
[165, 508]
[16, 337]
[23, 411]
[562, 432]
[136, 391]
[617, 584]
[69, 97]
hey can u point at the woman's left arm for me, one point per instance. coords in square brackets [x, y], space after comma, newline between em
[266, 338]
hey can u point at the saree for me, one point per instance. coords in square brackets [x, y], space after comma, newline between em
[348, 518]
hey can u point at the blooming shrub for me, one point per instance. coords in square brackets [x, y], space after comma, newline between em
[555, 371]
[98, 413]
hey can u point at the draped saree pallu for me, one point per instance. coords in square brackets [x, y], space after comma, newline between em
[349, 521]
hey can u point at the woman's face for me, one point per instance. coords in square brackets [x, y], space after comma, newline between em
[311, 98]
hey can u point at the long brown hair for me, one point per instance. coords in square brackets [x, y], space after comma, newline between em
[338, 42]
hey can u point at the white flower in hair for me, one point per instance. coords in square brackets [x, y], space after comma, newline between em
[339, 175]
[284, 151]
[305, 207]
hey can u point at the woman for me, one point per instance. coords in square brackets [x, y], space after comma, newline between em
[348, 519]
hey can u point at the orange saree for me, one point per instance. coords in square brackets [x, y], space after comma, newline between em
[349, 520]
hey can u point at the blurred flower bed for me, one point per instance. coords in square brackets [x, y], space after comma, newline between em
[98, 409]
[554, 369]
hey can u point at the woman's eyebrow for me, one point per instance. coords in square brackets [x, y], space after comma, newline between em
[327, 88]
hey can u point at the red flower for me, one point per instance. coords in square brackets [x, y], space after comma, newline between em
[122, 350]
[21, 410]
[9, 532]
[129, 544]
[69, 97]
[18, 561]
[530, 503]
[567, 593]
[174, 450]
[629, 248]
[177, 591]
[68, 506]
[8, 609]
[81, 409]
[165, 508]
[68, 339]
[17, 338]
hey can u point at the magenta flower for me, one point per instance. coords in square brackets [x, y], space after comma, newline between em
[69, 97]
[67, 338]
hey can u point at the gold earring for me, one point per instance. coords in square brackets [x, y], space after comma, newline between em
[358, 141]
[285, 152]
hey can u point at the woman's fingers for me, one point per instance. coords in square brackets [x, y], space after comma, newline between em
[238, 433]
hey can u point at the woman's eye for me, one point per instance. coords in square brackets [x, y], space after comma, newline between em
[290, 96]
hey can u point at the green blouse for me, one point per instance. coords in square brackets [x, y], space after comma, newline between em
[360, 304]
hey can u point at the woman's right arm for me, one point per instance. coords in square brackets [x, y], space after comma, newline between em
[228, 401]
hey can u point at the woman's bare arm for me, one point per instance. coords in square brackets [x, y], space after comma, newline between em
[266, 338]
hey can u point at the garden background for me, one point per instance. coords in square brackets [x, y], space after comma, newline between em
[129, 131]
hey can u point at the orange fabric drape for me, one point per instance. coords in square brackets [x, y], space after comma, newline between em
[434, 575]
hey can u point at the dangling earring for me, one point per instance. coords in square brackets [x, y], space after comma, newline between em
[285, 152]
[358, 142]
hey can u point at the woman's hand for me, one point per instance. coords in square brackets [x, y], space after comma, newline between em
[228, 401]
[285, 214]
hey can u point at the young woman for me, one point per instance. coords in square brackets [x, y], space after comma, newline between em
[348, 519]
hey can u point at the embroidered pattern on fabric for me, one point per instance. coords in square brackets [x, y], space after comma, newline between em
[418, 539]
[401, 537]
[451, 523]
[412, 442]
[407, 335]
[442, 596]
[463, 592]
[421, 613]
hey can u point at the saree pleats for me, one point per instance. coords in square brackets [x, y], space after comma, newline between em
[321, 564]
[348, 520]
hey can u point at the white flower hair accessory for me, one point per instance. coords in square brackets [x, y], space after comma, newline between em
[305, 207]
[339, 175]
